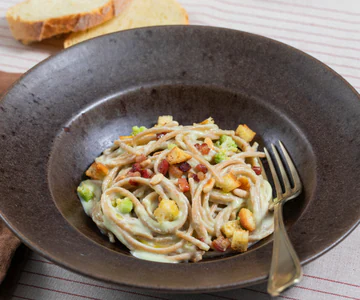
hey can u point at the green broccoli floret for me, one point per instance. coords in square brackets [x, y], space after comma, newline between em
[136, 130]
[86, 191]
[227, 143]
[219, 157]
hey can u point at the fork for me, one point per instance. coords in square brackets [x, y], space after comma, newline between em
[285, 267]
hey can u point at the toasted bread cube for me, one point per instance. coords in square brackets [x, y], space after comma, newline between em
[229, 183]
[229, 228]
[209, 120]
[163, 120]
[247, 220]
[97, 171]
[240, 240]
[166, 211]
[244, 183]
[176, 156]
[245, 133]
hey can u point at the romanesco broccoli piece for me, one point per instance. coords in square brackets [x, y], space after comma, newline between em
[219, 157]
[227, 143]
[136, 130]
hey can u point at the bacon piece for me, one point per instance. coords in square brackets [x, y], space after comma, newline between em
[184, 167]
[221, 244]
[257, 170]
[175, 171]
[194, 176]
[146, 173]
[136, 167]
[201, 168]
[203, 148]
[163, 167]
[183, 185]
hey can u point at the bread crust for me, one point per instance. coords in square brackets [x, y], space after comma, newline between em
[72, 39]
[28, 31]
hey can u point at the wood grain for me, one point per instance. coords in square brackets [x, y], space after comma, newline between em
[6, 80]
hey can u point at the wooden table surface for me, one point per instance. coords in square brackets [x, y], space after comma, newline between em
[6, 79]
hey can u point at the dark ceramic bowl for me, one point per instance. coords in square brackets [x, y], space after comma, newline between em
[59, 116]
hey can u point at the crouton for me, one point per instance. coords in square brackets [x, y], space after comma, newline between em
[163, 120]
[247, 220]
[245, 133]
[209, 120]
[228, 183]
[244, 183]
[97, 171]
[176, 156]
[229, 228]
[166, 211]
[240, 240]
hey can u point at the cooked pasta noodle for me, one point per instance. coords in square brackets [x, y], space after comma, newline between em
[176, 193]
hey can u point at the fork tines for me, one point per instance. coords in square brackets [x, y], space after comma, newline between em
[289, 192]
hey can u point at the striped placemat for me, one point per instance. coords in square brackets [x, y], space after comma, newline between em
[335, 275]
[326, 29]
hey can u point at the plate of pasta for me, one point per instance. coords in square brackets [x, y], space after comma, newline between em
[174, 193]
[138, 160]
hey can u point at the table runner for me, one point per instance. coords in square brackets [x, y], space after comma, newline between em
[327, 30]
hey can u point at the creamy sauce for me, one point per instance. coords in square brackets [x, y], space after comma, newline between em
[96, 189]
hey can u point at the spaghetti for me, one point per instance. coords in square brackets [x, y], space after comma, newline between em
[176, 193]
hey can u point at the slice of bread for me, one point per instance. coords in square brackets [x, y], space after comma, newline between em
[35, 20]
[136, 13]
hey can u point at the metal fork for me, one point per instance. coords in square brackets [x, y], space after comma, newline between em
[285, 267]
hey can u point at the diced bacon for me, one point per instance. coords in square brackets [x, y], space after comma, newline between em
[174, 171]
[184, 167]
[194, 176]
[201, 168]
[163, 167]
[183, 185]
[221, 244]
[203, 148]
[146, 173]
[136, 167]
[257, 170]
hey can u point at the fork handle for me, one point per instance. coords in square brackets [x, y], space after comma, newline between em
[285, 267]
